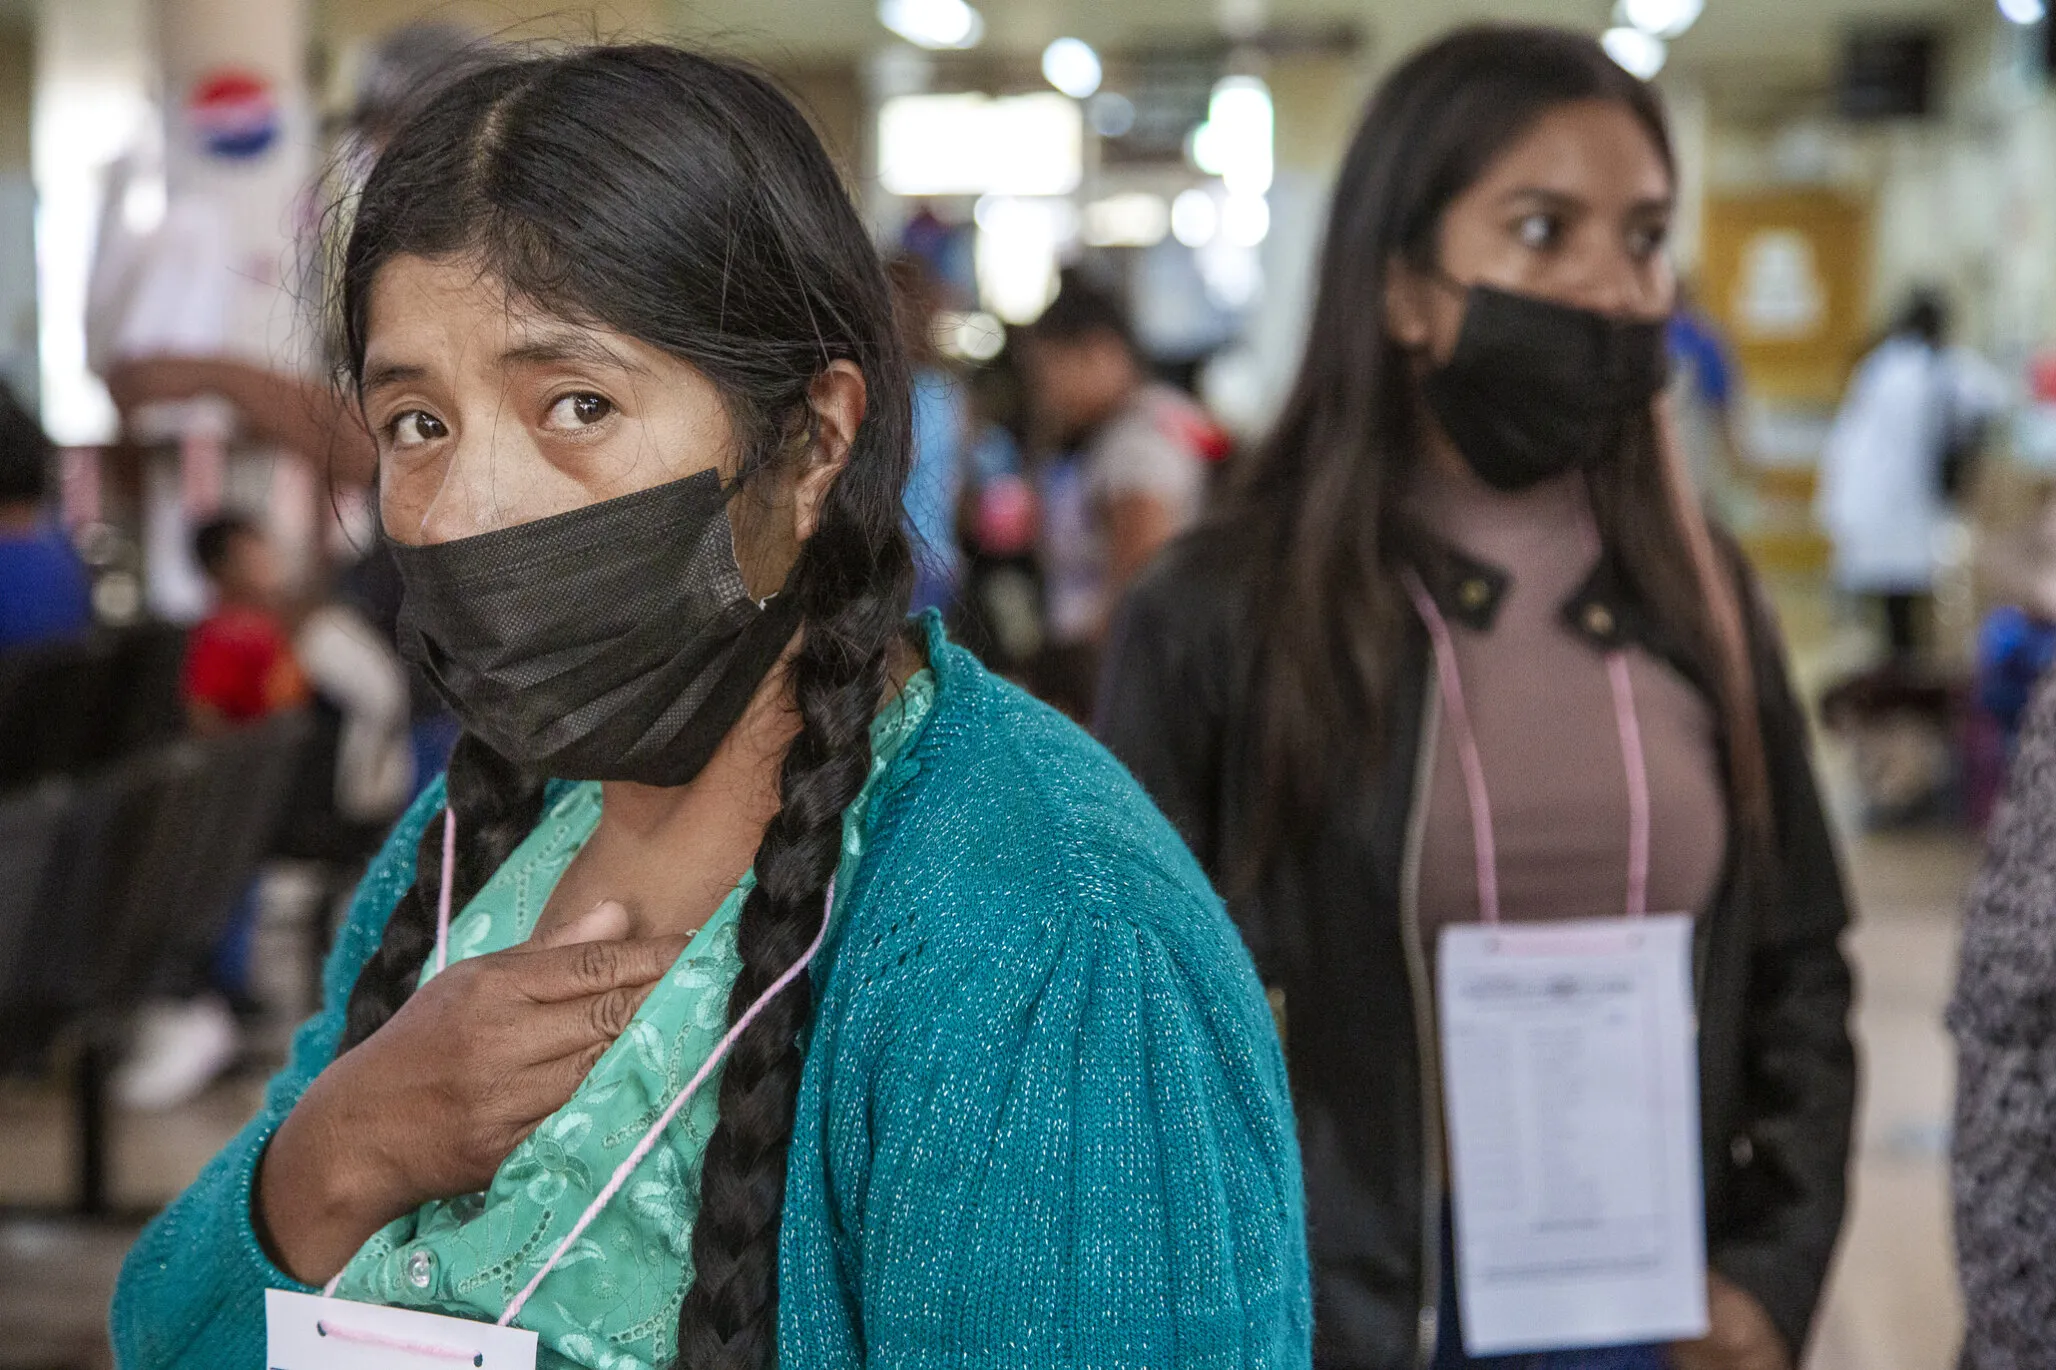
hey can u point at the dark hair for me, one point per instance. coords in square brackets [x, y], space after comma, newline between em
[1925, 317]
[685, 202]
[917, 294]
[1324, 493]
[1081, 309]
[215, 540]
[24, 453]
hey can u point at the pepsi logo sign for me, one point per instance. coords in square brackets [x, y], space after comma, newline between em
[234, 114]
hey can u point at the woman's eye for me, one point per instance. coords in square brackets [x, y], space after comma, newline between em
[1538, 230]
[1648, 240]
[416, 427]
[578, 411]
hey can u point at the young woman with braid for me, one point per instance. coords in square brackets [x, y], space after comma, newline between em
[1002, 1088]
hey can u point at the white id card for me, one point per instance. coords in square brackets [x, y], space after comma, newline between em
[302, 1332]
[1572, 1089]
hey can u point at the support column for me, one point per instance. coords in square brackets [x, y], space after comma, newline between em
[221, 276]
[240, 139]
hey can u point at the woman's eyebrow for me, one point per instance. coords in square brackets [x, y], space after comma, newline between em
[380, 374]
[1543, 197]
[568, 346]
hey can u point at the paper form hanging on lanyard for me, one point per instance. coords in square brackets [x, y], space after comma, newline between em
[303, 1332]
[1570, 1070]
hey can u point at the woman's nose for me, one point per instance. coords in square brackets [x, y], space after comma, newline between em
[1611, 287]
[1614, 281]
[466, 500]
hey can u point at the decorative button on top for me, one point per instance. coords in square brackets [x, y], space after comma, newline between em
[1473, 593]
[420, 1269]
[1599, 621]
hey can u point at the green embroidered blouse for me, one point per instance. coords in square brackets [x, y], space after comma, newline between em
[627, 1273]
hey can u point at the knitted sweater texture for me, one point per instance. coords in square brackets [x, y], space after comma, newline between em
[1043, 1119]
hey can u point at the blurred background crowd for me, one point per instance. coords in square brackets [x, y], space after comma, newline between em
[1102, 220]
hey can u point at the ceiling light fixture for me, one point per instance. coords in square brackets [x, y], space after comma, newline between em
[1112, 114]
[1072, 67]
[1195, 217]
[1661, 18]
[1133, 219]
[1635, 52]
[933, 23]
[1235, 142]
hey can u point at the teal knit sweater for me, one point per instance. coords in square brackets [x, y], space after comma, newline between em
[1043, 1119]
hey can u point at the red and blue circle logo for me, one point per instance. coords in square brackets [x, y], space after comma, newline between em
[234, 114]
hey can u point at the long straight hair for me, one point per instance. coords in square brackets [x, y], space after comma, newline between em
[683, 202]
[1324, 492]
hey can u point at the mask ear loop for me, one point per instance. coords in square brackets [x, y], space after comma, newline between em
[729, 492]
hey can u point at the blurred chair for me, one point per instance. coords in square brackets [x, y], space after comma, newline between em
[149, 661]
[213, 821]
[36, 831]
[57, 706]
[70, 708]
[145, 871]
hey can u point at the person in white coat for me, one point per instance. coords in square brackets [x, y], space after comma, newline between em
[1894, 460]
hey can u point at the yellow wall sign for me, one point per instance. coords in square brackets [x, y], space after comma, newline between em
[1785, 275]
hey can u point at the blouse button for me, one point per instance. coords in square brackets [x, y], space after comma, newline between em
[420, 1269]
[1599, 621]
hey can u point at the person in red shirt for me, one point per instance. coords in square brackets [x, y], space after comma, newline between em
[239, 661]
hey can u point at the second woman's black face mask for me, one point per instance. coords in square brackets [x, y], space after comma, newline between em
[613, 642]
[1536, 389]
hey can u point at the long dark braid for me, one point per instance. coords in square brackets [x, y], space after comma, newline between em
[853, 609]
[684, 202]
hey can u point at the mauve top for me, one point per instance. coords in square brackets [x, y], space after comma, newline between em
[1541, 706]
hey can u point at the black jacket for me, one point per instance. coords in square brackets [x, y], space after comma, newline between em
[1333, 929]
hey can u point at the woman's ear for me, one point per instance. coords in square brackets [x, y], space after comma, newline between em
[1407, 316]
[838, 398]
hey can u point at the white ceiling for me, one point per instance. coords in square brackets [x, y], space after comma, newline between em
[1776, 32]
[1741, 43]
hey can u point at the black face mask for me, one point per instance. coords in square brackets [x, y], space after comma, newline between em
[1536, 389]
[613, 642]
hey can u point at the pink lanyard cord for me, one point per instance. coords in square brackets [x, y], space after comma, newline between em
[1637, 767]
[442, 903]
[433, 1350]
[1483, 843]
[664, 1120]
